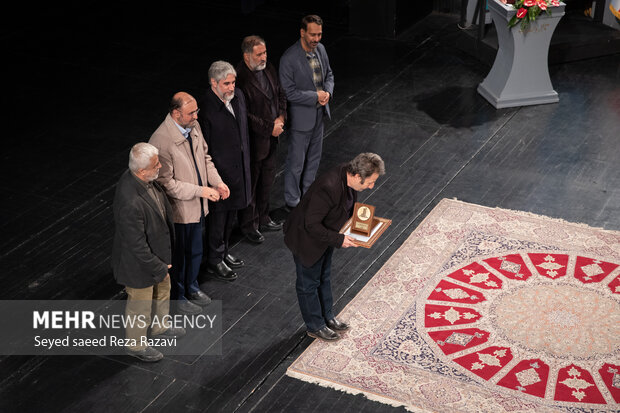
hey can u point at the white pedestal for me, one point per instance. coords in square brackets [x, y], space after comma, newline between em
[520, 73]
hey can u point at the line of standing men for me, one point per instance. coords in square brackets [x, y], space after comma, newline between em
[214, 163]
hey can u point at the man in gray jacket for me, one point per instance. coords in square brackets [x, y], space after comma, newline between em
[308, 82]
[142, 250]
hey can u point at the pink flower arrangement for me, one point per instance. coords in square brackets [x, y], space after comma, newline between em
[529, 10]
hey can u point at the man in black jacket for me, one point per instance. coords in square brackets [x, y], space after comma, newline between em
[266, 105]
[312, 232]
[223, 120]
[142, 250]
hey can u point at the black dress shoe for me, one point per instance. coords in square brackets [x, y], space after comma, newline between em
[271, 226]
[222, 272]
[172, 332]
[254, 236]
[187, 307]
[148, 354]
[233, 262]
[199, 298]
[337, 325]
[325, 333]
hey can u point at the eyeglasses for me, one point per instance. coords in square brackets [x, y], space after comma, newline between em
[195, 112]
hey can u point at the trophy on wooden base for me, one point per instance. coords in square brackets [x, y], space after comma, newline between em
[362, 220]
[364, 226]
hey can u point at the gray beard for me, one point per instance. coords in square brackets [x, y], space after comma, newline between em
[153, 178]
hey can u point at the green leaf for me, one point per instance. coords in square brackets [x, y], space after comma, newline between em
[513, 21]
[525, 23]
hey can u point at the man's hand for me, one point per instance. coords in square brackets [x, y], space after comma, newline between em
[223, 190]
[323, 97]
[210, 194]
[349, 242]
[278, 128]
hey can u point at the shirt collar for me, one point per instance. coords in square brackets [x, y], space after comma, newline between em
[184, 131]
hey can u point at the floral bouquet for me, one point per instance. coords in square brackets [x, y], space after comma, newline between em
[529, 10]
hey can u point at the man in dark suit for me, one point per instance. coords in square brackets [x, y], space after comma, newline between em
[142, 251]
[311, 232]
[308, 82]
[223, 119]
[266, 106]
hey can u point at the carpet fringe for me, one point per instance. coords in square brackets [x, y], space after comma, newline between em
[528, 214]
[353, 391]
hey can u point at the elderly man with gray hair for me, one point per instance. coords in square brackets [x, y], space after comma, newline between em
[142, 251]
[223, 120]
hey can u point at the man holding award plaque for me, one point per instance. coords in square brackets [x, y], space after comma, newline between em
[312, 231]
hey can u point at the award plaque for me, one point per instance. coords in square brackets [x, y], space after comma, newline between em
[363, 218]
[364, 226]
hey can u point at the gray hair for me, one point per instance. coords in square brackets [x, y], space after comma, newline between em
[220, 70]
[365, 164]
[140, 156]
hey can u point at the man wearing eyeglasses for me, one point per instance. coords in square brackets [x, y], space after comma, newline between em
[190, 180]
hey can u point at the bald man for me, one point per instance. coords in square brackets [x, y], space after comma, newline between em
[190, 179]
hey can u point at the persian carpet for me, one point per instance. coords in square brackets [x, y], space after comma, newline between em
[484, 309]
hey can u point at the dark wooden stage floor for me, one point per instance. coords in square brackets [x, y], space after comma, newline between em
[81, 91]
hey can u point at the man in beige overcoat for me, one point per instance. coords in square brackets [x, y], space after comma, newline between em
[190, 179]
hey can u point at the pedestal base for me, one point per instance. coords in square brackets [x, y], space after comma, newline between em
[509, 100]
[520, 74]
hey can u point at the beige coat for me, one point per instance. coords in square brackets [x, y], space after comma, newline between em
[178, 173]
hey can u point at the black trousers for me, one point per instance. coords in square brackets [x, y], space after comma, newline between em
[219, 228]
[262, 173]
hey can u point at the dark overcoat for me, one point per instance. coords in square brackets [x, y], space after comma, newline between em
[228, 141]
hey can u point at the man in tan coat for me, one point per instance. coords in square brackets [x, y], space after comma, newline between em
[190, 179]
